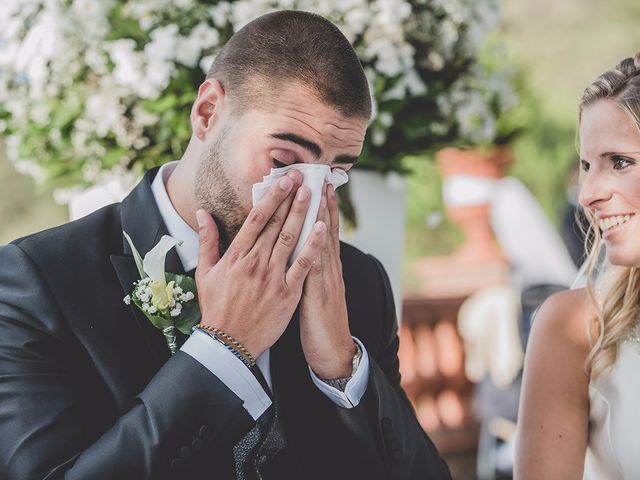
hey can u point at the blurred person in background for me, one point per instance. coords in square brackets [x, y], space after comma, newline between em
[494, 321]
[292, 372]
[579, 413]
[574, 224]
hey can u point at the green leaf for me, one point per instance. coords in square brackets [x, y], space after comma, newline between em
[188, 318]
[136, 255]
[190, 315]
[113, 156]
[156, 320]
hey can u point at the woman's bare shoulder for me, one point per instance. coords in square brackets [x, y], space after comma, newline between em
[565, 316]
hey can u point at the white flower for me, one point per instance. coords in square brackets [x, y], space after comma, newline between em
[127, 300]
[378, 136]
[205, 63]
[105, 110]
[177, 310]
[164, 42]
[30, 168]
[183, 4]
[205, 35]
[220, 14]
[187, 297]
[157, 76]
[386, 119]
[436, 60]
[127, 61]
[188, 52]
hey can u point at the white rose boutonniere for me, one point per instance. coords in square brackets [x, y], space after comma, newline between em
[168, 300]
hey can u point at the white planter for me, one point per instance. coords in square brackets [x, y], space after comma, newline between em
[379, 202]
[88, 201]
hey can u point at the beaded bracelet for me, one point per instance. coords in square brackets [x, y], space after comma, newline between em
[234, 345]
[236, 353]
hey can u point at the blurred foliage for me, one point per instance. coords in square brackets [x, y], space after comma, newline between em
[559, 48]
[24, 207]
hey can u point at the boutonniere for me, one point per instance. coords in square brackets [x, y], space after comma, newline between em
[168, 300]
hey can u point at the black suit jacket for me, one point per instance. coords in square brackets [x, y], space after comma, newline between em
[89, 390]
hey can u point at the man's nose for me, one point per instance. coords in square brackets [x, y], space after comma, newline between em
[593, 189]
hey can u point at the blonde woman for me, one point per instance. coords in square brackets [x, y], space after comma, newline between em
[580, 407]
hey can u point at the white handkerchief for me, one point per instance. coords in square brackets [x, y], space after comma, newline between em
[315, 175]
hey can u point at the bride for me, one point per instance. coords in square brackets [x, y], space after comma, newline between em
[580, 407]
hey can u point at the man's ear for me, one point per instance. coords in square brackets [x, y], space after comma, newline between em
[206, 108]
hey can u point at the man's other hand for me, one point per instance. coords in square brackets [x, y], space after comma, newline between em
[324, 327]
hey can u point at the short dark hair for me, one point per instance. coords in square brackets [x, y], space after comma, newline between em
[288, 47]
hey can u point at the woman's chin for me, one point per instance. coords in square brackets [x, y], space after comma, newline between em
[623, 258]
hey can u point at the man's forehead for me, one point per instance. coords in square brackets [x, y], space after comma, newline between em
[321, 121]
[301, 104]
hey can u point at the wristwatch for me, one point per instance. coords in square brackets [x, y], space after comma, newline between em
[341, 383]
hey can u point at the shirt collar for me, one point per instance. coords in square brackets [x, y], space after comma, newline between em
[176, 226]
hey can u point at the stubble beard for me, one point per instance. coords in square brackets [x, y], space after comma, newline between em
[214, 193]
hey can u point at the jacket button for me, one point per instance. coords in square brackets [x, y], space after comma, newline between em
[197, 444]
[204, 432]
[386, 425]
[177, 464]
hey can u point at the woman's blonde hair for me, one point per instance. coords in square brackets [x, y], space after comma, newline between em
[614, 290]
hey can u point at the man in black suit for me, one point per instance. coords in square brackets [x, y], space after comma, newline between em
[89, 388]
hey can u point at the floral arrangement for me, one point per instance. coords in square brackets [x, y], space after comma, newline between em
[95, 90]
[166, 299]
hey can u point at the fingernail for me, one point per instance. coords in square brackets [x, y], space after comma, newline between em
[200, 218]
[319, 227]
[285, 183]
[302, 194]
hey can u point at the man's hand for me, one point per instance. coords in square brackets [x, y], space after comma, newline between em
[324, 327]
[249, 293]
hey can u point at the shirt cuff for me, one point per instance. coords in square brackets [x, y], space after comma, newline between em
[356, 386]
[216, 358]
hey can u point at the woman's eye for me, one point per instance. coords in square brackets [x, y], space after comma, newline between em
[621, 162]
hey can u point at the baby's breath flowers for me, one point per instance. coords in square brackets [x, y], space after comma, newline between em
[168, 300]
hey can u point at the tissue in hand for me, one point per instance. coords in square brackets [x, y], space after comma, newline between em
[315, 175]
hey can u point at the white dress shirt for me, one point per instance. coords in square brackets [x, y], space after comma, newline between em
[215, 356]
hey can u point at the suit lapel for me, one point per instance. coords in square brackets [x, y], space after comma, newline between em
[141, 219]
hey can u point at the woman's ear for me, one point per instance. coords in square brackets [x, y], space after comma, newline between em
[206, 108]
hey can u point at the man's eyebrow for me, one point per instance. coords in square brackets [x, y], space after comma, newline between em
[312, 147]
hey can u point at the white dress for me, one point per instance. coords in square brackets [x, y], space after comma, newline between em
[614, 418]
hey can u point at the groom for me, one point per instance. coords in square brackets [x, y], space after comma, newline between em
[89, 388]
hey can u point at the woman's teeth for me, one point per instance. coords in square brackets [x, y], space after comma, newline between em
[610, 222]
